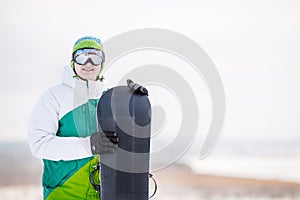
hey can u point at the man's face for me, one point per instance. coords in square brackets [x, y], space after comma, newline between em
[87, 71]
[87, 63]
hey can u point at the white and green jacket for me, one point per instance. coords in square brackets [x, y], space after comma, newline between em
[59, 128]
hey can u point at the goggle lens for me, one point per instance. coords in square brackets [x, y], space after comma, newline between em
[84, 56]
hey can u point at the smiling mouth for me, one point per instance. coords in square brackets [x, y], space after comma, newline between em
[87, 70]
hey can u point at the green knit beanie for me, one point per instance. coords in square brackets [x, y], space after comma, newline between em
[88, 42]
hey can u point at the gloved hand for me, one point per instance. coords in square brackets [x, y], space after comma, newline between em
[104, 142]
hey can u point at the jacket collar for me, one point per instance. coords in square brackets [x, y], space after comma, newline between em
[89, 89]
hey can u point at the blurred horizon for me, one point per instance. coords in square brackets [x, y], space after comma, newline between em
[226, 161]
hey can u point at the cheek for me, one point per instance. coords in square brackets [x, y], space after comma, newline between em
[98, 70]
[77, 68]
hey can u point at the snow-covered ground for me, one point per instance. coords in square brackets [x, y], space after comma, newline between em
[282, 169]
[32, 192]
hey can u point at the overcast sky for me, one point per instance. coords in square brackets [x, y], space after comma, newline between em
[254, 44]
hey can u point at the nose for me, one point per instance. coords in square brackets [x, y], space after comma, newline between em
[88, 64]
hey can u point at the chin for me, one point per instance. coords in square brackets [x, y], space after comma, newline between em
[91, 78]
[88, 77]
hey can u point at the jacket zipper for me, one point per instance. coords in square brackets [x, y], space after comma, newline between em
[87, 111]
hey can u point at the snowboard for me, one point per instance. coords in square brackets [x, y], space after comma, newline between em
[124, 174]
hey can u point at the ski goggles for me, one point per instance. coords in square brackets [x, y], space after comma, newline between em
[83, 56]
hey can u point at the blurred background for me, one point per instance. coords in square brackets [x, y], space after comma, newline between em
[254, 45]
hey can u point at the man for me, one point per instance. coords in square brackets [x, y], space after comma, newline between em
[62, 128]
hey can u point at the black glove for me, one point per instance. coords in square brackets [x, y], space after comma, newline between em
[104, 142]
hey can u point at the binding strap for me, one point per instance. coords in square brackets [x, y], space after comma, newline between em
[155, 185]
[137, 88]
[95, 185]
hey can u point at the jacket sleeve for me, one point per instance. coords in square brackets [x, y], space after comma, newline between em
[42, 129]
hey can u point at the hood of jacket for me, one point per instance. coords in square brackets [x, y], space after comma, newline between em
[68, 76]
